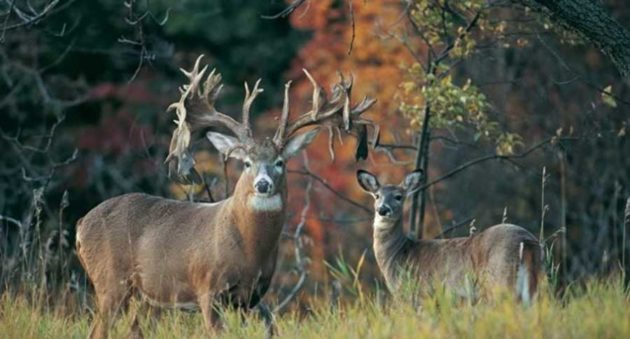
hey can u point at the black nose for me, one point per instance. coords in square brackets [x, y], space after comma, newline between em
[263, 186]
[384, 211]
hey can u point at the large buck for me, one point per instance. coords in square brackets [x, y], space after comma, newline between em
[197, 256]
[501, 257]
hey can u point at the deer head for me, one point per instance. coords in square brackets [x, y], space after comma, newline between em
[264, 158]
[389, 199]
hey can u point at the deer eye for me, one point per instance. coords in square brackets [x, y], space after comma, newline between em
[279, 163]
[248, 164]
[378, 196]
[398, 197]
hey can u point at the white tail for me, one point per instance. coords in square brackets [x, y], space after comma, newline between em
[504, 255]
[522, 278]
[201, 255]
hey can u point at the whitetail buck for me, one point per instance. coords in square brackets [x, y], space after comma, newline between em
[180, 254]
[501, 257]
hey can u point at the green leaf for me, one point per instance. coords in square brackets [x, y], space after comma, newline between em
[607, 97]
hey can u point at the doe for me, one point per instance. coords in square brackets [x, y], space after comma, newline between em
[503, 256]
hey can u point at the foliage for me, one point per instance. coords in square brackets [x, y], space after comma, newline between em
[353, 40]
[508, 76]
[83, 93]
[446, 27]
[452, 106]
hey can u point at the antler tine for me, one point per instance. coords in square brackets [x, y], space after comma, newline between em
[284, 118]
[196, 109]
[249, 100]
[317, 94]
[194, 76]
[336, 114]
[346, 87]
[321, 111]
[206, 97]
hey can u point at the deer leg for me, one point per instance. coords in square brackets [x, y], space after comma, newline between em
[267, 316]
[109, 305]
[136, 331]
[148, 311]
[210, 311]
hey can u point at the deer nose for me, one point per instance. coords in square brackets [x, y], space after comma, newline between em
[263, 186]
[384, 211]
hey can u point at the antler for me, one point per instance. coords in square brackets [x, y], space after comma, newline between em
[335, 113]
[249, 99]
[201, 102]
[196, 109]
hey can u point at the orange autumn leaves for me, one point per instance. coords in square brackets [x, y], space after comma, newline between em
[362, 43]
[359, 40]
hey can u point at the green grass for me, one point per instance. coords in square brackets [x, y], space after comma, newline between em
[599, 310]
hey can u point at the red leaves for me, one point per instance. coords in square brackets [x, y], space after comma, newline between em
[116, 134]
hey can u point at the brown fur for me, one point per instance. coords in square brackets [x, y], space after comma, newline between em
[179, 253]
[491, 256]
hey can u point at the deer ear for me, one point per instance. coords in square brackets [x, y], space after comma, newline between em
[224, 144]
[298, 143]
[368, 181]
[413, 181]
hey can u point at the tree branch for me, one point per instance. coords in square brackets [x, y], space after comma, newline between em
[307, 172]
[285, 12]
[591, 20]
[300, 261]
[473, 162]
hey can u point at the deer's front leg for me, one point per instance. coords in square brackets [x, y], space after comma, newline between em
[267, 315]
[210, 311]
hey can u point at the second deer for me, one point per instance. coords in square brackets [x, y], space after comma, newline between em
[503, 256]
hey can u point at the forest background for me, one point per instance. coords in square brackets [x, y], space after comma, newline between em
[514, 115]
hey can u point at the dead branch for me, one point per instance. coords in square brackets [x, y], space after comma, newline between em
[285, 12]
[323, 182]
[473, 162]
[300, 261]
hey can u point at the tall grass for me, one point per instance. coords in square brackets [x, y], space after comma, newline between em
[600, 309]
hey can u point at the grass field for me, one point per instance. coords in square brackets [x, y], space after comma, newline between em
[598, 310]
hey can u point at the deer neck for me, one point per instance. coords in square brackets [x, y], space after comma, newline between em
[389, 244]
[258, 220]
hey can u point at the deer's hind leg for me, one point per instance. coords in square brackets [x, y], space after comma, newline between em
[144, 310]
[111, 301]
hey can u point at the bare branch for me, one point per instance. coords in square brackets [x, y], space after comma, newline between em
[11, 220]
[285, 12]
[300, 262]
[26, 19]
[473, 162]
[328, 187]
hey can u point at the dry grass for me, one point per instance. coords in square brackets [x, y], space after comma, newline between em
[599, 310]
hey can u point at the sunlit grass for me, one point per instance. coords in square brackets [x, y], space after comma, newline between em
[598, 310]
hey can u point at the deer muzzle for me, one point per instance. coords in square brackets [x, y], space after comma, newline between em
[384, 211]
[263, 184]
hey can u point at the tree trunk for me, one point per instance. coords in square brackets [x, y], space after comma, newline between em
[590, 19]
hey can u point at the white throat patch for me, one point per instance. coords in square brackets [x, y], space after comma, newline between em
[381, 223]
[266, 204]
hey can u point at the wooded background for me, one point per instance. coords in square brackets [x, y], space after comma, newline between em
[517, 113]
